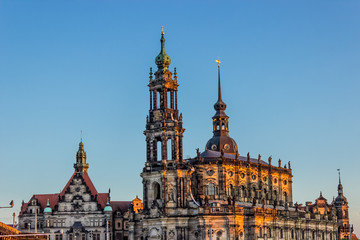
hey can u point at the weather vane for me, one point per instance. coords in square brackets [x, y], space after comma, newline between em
[218, 61]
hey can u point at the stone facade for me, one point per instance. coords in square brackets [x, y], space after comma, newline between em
[78, 211]
[218, 194]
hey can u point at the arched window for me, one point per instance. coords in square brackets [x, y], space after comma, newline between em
[292, 233]
[217, 126]
[313, 235]
[243, 192]
[211, 189]
[230, 190]
[281, 233]
[223, 126]
[269, 232]
[157, 190]
[261, 232]
[303, 234]
[323, 236]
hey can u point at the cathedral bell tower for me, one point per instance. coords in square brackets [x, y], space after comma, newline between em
[164, 131]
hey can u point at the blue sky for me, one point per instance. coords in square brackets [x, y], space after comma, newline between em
[290, 78]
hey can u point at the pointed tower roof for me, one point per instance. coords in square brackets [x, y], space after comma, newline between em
[340, 199]
[162, 60]
[221, 141]
[219, 106]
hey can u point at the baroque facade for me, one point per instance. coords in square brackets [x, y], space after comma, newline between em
[218, 194]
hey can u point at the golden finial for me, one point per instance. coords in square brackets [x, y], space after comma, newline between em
[162, 30]
[218, 61]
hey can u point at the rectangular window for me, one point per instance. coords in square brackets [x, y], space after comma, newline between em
[96, 236]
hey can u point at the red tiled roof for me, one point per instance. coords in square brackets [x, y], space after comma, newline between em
[102, 199]
[42, 199]
[123, 206]
[54, 198]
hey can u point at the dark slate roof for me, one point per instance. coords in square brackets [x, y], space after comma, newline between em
[123, 206]
[216, 154]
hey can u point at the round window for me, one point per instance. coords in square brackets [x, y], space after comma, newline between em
[253, 177]
[210, 172]
[265, 179]
[231, 173]
[242, 175]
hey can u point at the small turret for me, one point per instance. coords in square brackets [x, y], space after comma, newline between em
[48, 209]
[108, 208]
[81, 165]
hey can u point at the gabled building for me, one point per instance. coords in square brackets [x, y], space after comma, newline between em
[79, 211]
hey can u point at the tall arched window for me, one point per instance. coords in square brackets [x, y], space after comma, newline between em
[157, 190]
[281, 233]
[230, 190]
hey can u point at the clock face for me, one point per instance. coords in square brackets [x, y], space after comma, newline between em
[213, 147]
[226, 146]
[210, 172]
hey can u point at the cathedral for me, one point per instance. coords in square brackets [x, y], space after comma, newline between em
[218, 194]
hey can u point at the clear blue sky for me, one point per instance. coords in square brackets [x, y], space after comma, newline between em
[290, 75]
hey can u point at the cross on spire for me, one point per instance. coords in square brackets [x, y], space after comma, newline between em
[218, 61]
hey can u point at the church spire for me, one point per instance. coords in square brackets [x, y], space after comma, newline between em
[162, 60]
[164, 130]
[81, 165]
[221, 140]
[340, 187]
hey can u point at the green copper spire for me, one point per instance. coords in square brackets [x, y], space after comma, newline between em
[162, 60]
